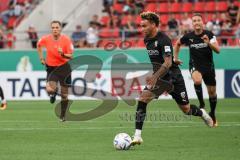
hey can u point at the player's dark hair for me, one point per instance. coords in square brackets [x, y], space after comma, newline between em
[197, 14]
[151, 17]
[56, 21]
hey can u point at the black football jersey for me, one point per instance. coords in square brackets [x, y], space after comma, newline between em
[158, 47]
[201, 55]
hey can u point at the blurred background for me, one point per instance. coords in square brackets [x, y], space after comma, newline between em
[93, 23]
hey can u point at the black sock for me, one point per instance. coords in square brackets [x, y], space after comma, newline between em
[198, 90]
[64, 106]
[195, 111]
[1, 93]
[213, 103]
[140, 115]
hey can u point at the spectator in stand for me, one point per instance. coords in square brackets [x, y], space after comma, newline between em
[173, 26]
[33, 36]
[2, 39]
[226, 29]
[11, 39]
[232, 12]
[78, 37]
[214, 25]
[128, 8]
[108, 7]
[237, 33]
[138, 6]
[186, 23]
[92, 35]
[130, 27]
[95, 19]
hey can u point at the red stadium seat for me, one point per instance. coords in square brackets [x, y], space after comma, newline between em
[140, 43]
[199, 7]
[164, 19]
[151, 7]
[118, 7]
[115, 32]
[187, 7]
[221, 6]
[11, 22]
[175, 7]
[105, 33]
[177, 16]
[210, 6]
[138, 20]
[163, 8]
[104, 20]
[124, 20]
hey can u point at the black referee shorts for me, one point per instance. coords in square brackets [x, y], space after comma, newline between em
[175, 87]
[208, 75]
[61, 74]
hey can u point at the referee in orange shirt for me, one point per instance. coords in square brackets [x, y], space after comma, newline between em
[59, 50]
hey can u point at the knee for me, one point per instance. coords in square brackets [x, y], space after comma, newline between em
[145, 99]
[212, 93]
[50, 90]
[197, 81]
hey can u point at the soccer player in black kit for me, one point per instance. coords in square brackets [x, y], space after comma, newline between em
[201, 44]
[166, 76]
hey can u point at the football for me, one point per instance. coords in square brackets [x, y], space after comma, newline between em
[122, 141]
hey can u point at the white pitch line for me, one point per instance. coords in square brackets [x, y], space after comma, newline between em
[102, 128]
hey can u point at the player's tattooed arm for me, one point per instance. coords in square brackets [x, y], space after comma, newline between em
[176, 50]
[162, 71]
[212, 43]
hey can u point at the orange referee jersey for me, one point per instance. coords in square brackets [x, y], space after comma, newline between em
[53, 58]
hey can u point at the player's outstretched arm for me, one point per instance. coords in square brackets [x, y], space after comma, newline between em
[176, 50]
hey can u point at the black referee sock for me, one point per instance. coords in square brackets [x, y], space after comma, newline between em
[213, 103]
[140, 115]
[1, 93]
[198, 90]
[195, 111]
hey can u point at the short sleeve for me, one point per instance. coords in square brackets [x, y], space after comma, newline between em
[184, 40]
[167, 49]
[42, 42]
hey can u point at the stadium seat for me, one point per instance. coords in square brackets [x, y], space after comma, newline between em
[175, 7]
[104, 20]
[164, 19]
[210, 6]
[163, 7]
[187, 7]
[4, 5]
[118, 8]
[140, 43]
[11, 22]
[199, 7]
[138, 20]
[151, 7]
[177, 16]
[124, 20]
[105, 33]
[221, 6]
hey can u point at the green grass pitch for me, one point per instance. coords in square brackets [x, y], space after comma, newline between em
[29, 130]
